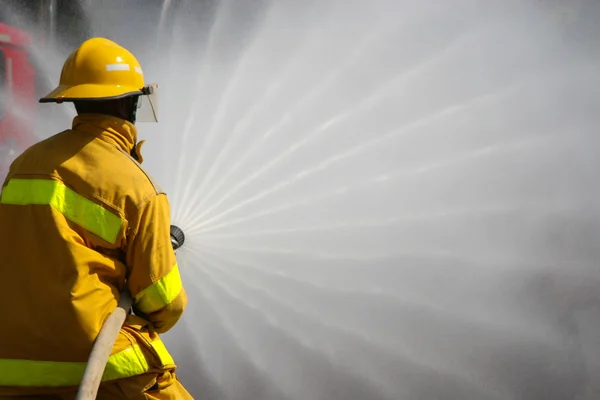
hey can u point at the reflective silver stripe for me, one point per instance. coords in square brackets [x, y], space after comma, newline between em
[118, 67]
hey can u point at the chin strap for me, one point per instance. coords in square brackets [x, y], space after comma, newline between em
[136, 152]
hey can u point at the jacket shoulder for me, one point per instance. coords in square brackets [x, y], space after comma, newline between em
[151, 180]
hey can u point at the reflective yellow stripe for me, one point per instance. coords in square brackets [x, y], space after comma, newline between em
[163, 354]
[85, 213]
[40, 373]
[127, 363]
[161, 293]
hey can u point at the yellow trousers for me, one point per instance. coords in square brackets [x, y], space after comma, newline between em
[165, 386]
[142, 387]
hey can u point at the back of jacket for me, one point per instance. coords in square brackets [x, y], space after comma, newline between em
[78, 216]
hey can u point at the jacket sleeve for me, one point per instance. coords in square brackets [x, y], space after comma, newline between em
[154, 281]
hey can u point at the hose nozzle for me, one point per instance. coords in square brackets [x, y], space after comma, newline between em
[177, 237]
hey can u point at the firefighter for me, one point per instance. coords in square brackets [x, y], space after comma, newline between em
[80, 222]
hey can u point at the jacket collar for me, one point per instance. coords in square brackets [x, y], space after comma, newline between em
[113, 130]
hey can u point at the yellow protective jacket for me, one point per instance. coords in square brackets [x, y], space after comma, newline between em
[78, 218]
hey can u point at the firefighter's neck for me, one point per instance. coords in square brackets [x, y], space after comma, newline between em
[116, 131]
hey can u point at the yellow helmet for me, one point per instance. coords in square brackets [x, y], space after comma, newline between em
[98, 69]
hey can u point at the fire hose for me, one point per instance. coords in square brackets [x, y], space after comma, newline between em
[108, 335]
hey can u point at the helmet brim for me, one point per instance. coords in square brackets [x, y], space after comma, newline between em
[89, 92]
